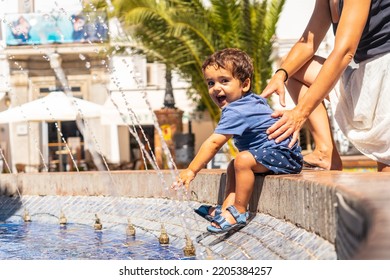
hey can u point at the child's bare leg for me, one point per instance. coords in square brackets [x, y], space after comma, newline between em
[245, 166]
[230, 190]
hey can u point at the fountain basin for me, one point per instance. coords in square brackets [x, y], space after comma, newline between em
[43, 240]
[313, 215]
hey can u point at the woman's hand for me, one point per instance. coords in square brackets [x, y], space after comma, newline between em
[276, 85]
[290, 123]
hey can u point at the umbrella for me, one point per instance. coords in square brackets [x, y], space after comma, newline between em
[56, 106]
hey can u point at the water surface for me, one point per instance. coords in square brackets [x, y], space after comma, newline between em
[38, 241]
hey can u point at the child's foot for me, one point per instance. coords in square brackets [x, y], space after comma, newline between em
[208, 212]
[228, 220]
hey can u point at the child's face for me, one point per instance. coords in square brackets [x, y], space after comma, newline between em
[223, 87]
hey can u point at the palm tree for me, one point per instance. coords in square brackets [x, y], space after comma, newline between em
[182, 33]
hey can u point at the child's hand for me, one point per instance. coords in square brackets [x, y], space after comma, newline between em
[177, 185]
[185, 177]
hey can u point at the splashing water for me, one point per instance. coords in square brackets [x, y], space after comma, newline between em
[84, 127]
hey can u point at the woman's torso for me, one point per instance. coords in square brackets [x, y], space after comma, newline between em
[375, 39]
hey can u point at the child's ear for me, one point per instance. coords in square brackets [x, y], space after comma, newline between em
[246, 85]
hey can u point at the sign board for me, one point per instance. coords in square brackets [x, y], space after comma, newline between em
[55, 28]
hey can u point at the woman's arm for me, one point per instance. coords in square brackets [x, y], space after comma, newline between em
[350, 28]
[303, 50]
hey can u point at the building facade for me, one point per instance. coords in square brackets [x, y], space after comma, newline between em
[51, 46]
[47, 46]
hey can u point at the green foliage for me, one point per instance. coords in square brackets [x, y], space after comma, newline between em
[182, 33]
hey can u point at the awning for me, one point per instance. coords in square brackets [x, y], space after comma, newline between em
[119, 107]
[56, 106]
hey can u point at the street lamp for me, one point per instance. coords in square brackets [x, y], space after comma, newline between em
[169, 99]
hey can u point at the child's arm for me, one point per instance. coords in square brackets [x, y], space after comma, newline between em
[206, 152]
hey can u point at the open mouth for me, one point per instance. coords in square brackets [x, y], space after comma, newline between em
[221, 98]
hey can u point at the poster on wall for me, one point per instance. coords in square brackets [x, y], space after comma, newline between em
[41, 29]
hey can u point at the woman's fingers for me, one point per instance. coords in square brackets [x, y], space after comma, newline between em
[294, 139]
[275, 86]
[273, 131]
[288, 125]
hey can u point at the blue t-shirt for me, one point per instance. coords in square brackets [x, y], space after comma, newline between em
[247, 119]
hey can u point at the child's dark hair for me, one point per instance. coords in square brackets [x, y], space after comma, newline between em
[232, 59]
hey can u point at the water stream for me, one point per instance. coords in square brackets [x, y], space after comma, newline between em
[95, 243]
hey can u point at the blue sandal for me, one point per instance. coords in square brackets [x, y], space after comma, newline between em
[204, 211]
[224, 225]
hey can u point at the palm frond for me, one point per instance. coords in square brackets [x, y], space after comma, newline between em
[182, 33]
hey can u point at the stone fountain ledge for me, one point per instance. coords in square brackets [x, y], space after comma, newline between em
[313, 215]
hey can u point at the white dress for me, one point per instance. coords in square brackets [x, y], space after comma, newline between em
[362, 107]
